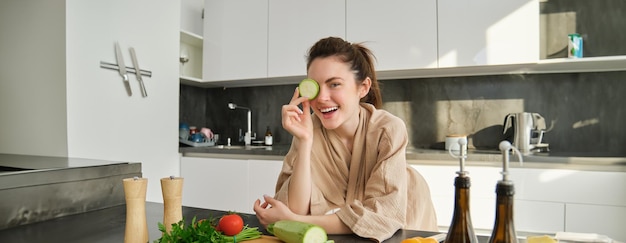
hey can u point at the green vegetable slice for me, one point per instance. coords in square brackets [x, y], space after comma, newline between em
[309, 88]
[297, 232]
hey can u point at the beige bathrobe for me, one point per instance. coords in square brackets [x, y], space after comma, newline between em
[373, 188]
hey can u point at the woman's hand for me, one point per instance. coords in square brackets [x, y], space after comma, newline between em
[271, 211]
[295, 121]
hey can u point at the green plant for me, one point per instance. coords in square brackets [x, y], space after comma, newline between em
[203, 231]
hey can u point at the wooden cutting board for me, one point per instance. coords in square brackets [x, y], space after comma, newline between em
[265, 239]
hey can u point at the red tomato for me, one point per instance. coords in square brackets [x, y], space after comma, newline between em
[230, 224]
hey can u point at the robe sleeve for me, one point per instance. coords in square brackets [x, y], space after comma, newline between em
[382, 209]
[282, 184]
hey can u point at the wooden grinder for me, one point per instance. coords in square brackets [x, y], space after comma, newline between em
[172, 188]
[136, 224]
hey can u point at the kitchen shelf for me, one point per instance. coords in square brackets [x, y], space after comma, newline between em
[190, 80]
[191, 46]
[557, 65]
[191, 38]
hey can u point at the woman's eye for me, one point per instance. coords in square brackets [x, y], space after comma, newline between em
[333, 85]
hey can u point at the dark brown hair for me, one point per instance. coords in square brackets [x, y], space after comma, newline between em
[359, 57]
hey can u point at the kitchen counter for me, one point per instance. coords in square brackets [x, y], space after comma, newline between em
[25, 170]
[421, 156]
[108, 225]
[38, 188]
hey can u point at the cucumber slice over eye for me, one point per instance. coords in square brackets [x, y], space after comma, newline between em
[309, 88]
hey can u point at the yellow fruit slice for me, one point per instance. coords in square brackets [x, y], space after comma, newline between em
[540, 239]
[309, 88]
[419, 240]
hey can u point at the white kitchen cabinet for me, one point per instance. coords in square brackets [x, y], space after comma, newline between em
[402, 34]
[601, 219]
[264, 42]
[546, 200]
[227, 184]
[191, 41]
[192, 16]
[294, 26]
[235, 40]
[263, 176]
[487, 32]
[220, 184]
[191, 46]
[58, 101]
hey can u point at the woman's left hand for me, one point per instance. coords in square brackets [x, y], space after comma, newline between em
[271, 211]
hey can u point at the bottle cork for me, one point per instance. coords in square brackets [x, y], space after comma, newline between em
[136, 225]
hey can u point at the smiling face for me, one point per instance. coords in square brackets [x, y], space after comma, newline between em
[337, 104]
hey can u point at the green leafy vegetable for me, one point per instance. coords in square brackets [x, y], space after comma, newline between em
[203, 231]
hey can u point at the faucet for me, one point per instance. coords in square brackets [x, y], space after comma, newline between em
[248, 136]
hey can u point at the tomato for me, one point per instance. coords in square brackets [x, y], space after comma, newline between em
[230, 224]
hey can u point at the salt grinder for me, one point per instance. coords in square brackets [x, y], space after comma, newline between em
[136, 224]
[172, 188]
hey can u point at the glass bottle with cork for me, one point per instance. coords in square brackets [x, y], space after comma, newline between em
[269, 140]
[461, 229]
[504, 227]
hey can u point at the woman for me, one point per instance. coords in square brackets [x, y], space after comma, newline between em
[346, 169]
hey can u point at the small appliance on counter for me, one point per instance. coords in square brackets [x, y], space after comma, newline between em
[525, 131]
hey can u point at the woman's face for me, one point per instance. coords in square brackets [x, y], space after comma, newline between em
[337, 103]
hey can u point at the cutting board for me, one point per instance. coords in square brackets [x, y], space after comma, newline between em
[265, 239]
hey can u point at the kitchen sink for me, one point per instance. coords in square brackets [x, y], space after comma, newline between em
[229, 147]
[241, 147]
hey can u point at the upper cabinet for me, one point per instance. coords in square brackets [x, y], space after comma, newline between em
[487, 32]
[235, 40]
[265, 42]
[402, 34]
[294, 26]
[190, 59]
[191, 41]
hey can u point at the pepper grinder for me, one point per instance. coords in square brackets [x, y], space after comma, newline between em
[172, 188]
[136, 224]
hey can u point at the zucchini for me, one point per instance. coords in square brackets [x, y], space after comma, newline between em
[309, 88]
[297, 232]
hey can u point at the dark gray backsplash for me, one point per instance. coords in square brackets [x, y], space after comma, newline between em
[585, 110]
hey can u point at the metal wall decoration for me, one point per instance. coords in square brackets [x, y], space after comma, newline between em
[124, 70]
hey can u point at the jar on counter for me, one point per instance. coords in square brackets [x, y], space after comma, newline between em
[192, 130]
[268, 136]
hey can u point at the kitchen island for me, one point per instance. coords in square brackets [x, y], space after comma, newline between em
[38, 188]
[108, 225]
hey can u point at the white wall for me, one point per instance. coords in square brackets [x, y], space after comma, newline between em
[103, 121]
[32, 78]
[57, 101]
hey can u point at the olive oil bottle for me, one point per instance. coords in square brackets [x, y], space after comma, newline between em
[504, 226]
[461, 229]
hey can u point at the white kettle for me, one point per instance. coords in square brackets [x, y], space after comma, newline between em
[525, 130]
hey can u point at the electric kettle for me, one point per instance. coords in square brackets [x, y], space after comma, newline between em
[525, 131]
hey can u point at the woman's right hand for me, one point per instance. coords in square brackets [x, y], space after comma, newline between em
[295, 121]
[271, 210]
